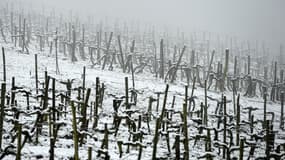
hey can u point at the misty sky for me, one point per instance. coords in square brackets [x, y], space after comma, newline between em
[262, 20]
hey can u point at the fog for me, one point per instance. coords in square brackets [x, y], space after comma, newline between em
[261, 20]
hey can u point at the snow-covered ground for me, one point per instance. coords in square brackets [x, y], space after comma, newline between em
[21, 66]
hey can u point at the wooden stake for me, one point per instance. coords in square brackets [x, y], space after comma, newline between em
[2, 113]
[4, 64]
[89, 153]
[225, 126]
[161, 59]
[185, 129]
[282, 111]
[127, 93]
[36, 73]
[238, 121]
[264, 111]
[19, 143]
[75, 134]
[241, 149]
[206, 106]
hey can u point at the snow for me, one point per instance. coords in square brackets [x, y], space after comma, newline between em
[21, 66]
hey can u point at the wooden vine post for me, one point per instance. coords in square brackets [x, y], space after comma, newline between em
[97, 101]
[161, 74]
[158, 124]
[206, 106]
[264, 111]
[56, 50]
[75, 134]
[241, 149]
[155, 139]
[36, 74]
[238, 121]
[210, 66]
[127, 92]
[177, 64]
[185, 131]
[19, 141]
[121, 54]
[282, 111]
[225, 125]
[4, 64]
[2, 113]
[73, 45]
[52, 122]
[225, 69]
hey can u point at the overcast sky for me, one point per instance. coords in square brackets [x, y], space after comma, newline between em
[246, 19]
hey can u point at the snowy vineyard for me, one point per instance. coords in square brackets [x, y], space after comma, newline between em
[74, 89]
